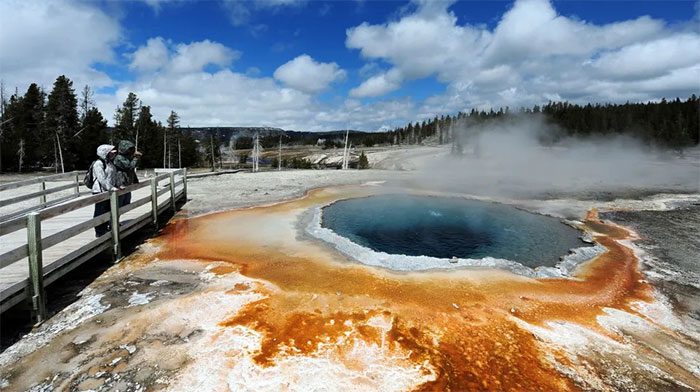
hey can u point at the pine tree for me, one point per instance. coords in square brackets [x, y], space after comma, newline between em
[62, 122]
[93, 132]
[189, 148]
[125, 120]
[150, 138]
[87, 102]
[10, 134]
[363, 162]
[28, 126]
[174, 142]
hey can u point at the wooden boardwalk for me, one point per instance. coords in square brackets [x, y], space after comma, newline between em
[65, 236]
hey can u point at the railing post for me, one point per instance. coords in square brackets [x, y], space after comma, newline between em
[77, 184]
[184, 184]
[114, 222]
[36, 269]
[154, 200]
[42, 198]
[172, 191]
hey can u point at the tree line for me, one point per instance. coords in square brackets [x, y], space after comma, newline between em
[62, 130]
[673, 124]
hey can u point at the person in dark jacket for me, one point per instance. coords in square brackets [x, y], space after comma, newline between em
[126, 162]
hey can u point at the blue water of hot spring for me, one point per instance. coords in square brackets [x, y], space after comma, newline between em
[451, 227]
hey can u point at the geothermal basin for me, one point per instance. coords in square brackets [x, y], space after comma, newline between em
[290, 294]
[445, 230]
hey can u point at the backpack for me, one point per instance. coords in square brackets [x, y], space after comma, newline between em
[89, 179]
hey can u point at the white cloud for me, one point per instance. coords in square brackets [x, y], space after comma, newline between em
[224, 98]
[228, 98]
[652, 58]
[157, 55]
[533, 29]
[151, 57]
[419, 44]
[532, 55]
[307, 75]
[41, 40]
[195, 56]
[379, 84]
[376, 116]
[219, 98]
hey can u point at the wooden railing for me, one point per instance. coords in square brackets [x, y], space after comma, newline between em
[40, 275]
[5, 201]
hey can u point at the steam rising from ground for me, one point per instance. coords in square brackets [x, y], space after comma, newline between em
[516, 157]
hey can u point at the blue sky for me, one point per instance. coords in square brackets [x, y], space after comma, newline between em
[312, 65]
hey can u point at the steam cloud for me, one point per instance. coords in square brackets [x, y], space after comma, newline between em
[515, 157]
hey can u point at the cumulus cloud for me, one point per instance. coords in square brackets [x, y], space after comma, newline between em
[42, 40]
[379, 84]
[533, 29]
[223, 98]
[183, 58]
[532, 55]
[419, 44]
[150, 57]
[195, 56]
[305, 74]
[650, 59]
[227, 98]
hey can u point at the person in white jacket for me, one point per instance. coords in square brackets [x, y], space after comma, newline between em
[105, 175]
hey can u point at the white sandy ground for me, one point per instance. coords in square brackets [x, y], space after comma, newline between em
[162, 320]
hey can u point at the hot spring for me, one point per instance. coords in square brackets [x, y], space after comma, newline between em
[408, 232]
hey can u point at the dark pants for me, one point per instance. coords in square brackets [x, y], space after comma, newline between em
[124, 199]
[101, 208]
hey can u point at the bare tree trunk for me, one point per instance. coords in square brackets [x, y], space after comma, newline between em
[60, 153]
[256, 152]
[20, 154]
[55, 157]
[179, 154]
[345, 150]
[2, 116]
[211, 140]
[165, 145]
